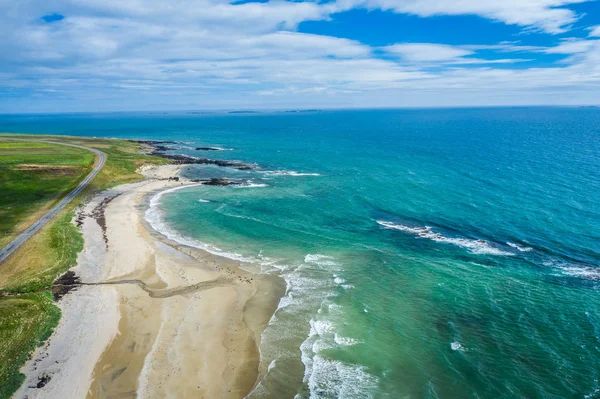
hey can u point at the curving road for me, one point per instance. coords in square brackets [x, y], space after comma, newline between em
[34, 228]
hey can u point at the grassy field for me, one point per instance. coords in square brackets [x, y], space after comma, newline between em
[27, 320]
[33, 177]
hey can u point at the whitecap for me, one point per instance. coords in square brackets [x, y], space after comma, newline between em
[203, 200]
[590, 273]
[321, 260]
[518, 247]
[574, 269]
[480, 247]
[289, 173]
[345, 341]
[250, 185]
[456, 346]
[328, 378]
[336, 379]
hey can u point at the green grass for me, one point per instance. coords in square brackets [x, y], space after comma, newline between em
[25, 323]
[54, 251]
[24, 190]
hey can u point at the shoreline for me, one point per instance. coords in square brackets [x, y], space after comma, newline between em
[191, 329]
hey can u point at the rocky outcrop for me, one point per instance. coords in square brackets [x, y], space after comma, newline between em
[178, 159]
[208, 149]
[219, 181]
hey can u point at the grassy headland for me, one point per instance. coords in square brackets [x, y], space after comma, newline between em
[28, 315]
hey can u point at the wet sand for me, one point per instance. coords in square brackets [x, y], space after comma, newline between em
[168, 321]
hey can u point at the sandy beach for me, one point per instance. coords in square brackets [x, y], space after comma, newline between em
[154, 318]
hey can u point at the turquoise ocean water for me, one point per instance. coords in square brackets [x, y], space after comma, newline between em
[427, 253]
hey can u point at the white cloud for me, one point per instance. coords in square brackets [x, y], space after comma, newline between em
[205, 53]
[426, 52]
[572, 46]
[504, 47]
[595, 31]
[440, 54]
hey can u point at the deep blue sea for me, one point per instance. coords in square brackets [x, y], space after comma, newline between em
[446, 253]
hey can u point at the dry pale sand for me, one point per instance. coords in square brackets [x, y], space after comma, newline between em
[164, 321]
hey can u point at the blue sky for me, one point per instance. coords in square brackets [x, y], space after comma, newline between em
[112, 55]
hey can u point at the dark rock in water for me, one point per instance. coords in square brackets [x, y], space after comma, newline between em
[220, 181]
[184, 159]
[208, 149]
[64, 284]
[161, 148]
[178, 159]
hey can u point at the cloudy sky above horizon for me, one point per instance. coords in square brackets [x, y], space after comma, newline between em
[111, 55]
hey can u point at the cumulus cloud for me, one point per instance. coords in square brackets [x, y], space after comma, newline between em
[212, 53]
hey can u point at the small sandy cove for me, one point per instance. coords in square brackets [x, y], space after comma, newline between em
[155, 319]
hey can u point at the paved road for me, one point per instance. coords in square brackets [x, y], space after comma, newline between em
[34, 228]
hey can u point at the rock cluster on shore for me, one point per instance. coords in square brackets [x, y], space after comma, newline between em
[219, 181]
[159, 149]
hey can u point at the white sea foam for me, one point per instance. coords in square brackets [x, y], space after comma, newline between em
[593, 394]
[456, 346]
[334, 308]
[573, 269]
[203, 200]
[250, 185]
[480, 247]
[518, 247]
[345, 341]
[321, 260]
[590, 273]
[326, 377]
[335, 379]
[289, 173]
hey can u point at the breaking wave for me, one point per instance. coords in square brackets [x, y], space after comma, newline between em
[518, 247]
[289, 173]
[479, 247]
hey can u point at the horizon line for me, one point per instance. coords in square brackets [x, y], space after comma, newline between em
[250, 111]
